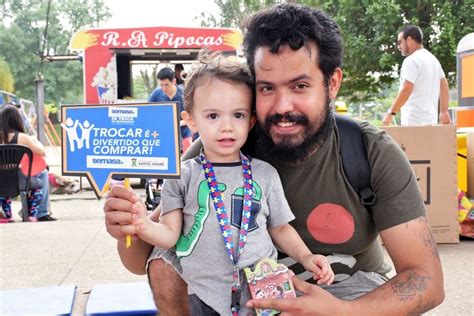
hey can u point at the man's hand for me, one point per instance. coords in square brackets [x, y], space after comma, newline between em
[444, 118]
[387, 120]
[119, 215]
[315, 301]
[118, 209]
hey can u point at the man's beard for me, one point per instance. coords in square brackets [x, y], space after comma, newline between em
[314, 134]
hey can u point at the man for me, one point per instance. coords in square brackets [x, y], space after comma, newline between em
[295, 54]
[170, 91]
[178, 70]
[422, 83]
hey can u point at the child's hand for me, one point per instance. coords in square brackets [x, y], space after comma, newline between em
[140, 220]
[321, 268]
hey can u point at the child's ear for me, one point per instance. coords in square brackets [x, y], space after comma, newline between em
[186, 116]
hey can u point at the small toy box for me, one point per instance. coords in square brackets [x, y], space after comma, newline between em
[269, 280]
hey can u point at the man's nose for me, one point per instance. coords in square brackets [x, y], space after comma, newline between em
[283, 102]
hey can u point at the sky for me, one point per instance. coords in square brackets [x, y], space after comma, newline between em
[136, 13]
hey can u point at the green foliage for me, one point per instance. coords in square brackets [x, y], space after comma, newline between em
[233, 13]
[143, 85]
[149, 80]
[370, 28]
[6, 77]
[23, 44]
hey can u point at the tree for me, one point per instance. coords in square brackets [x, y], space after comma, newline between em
[233, 13]
[6, 77]
[24, 41]
[150, 81]
[370, 28]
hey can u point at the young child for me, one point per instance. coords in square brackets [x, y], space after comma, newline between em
[225, 210]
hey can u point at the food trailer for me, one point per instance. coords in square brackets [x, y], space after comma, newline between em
[107, 54]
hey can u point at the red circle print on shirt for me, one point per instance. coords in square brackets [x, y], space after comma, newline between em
[330, 224]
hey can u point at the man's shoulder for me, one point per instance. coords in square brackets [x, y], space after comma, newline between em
[411, 60]
[420, 56]
[372, 133]
[179, 93]
[156, 95]
[368, 129]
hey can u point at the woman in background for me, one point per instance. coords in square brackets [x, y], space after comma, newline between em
[12, 131]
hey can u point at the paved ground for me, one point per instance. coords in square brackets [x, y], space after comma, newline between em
[77, 250]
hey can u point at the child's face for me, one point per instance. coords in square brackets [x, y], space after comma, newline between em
[222, 116]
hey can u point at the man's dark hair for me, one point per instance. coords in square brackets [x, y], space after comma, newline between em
[414, 32]
[166, 73]
[178, 67]
[296, 26]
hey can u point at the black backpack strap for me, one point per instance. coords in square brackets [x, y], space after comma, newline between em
[354, 158]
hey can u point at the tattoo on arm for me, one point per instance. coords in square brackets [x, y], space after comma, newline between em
[409, 288]
[413, 285]
[427, 237]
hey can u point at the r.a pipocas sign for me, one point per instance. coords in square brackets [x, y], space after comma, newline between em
[128, 140]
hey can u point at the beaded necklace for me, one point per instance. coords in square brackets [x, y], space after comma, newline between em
[224, 222]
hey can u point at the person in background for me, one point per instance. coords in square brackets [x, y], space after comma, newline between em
[178, 72]
[13, 132]
[295, 54]
[422, 84]
[169, 91]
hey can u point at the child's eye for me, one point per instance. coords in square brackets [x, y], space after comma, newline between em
[239, 115]
[213, 116]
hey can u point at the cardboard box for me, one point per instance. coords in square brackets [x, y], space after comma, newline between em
[432, 154]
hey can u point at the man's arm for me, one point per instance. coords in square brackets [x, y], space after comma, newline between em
[399, 101]
[444, 102]
[417, 287]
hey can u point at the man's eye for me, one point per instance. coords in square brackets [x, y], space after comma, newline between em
[301, 86]
[265, 88]
[213, 116]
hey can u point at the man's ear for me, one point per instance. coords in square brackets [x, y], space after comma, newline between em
[186, 116]
[335, 83]
[253, 120]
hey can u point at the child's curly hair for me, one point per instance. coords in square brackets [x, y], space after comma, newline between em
[217, 65]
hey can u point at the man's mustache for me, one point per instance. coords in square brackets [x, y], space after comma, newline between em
[287, 117]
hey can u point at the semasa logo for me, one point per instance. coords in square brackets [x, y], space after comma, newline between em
[106, 161]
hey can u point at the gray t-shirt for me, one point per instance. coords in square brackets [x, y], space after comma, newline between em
[206, 265]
